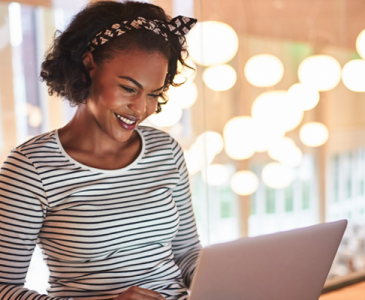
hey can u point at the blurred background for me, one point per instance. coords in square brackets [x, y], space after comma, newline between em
[272, 122]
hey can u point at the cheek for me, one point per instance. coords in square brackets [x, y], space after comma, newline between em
[107, 96]
[151, 107]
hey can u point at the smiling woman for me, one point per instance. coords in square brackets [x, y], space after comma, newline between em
[123, 93]
[107, 200]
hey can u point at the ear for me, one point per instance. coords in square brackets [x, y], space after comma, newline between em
[89, 63]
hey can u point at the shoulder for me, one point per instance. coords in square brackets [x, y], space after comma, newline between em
[21, 162]
[36, 148]
[153, 135]
[42, 141]
[158, 139]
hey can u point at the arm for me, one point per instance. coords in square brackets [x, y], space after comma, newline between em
[23, 206]
[186, 245]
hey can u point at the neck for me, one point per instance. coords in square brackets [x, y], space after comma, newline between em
[84, 134]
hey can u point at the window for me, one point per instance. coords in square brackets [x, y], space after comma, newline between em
[336, 178]
[306, 194]
[269, 200]
[289, 199]
[349, 174]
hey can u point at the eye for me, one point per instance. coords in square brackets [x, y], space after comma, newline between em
[156, 96]
[129, 90]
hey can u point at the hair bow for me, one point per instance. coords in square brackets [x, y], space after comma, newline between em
[179, 26]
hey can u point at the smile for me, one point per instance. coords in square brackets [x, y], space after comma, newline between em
[127, 123]
[125, 120]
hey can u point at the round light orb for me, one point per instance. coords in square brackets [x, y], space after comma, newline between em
[360, 44]
[277, 176]
[185, 95]
[210, 140]
[237, 127]
[205, 155]
[313, 134]
[292, 158]
[212, 43]
[264, 70]
[265, 135]
[267, 107]
[185, 74]
[192, 162]
[304, 96]
[322, 72]
[220, 78]
[353, 75]
[238, 136]
[244, 183]
[239, 149]
[293, 116]
[215, 174]
[280, 147]
[171, 114]
[34, 115]
[274, 108]
[197, 158]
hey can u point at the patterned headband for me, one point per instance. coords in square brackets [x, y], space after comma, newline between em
[178, 26]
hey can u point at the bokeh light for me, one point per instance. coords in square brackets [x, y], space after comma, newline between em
[277, 176]
[170, 115]
[322, 72]
[215, 174]
[264, 70]
[238, 136]
[292, 115]
[211, 141]
[212, 43]
[313, 134]
[244, 183]
[193, 161]
[274, 108]
[185, 95]
[279, 148]
[360, 44]
[304, 96]
[239, 126]
[292, 158]
[185, 74]
[353, 75]
[202, 152]
[34, 115]
[197, 158]
[286, 152]
[265, 135]
[220, 77]
[239, 149]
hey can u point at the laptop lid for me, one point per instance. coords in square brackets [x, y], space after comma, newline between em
[282, 266]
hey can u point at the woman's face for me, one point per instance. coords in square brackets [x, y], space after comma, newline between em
[125, 90]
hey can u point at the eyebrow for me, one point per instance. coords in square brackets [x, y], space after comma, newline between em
[138, 84]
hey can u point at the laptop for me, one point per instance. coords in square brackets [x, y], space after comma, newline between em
[289, 265]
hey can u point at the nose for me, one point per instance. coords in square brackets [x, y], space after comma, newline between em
[138, 105]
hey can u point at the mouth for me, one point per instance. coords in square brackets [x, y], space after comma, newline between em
[128, 123]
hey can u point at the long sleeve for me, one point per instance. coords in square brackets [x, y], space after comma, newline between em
[23, 206]
[186, 245]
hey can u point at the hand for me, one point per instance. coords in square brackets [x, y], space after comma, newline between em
[137, 293]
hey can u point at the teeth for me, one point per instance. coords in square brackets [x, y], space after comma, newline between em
[129, 122]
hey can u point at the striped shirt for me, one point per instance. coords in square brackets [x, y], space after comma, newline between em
[101, 231]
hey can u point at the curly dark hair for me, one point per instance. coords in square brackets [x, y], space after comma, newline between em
[63, 69]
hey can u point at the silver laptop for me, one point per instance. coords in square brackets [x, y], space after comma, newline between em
[289, 265]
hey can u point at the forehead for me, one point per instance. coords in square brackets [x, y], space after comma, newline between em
[137, 63]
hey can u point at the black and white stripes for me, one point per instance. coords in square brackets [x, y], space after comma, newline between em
[100, 231]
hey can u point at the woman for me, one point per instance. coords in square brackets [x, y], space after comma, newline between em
[107, 200]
